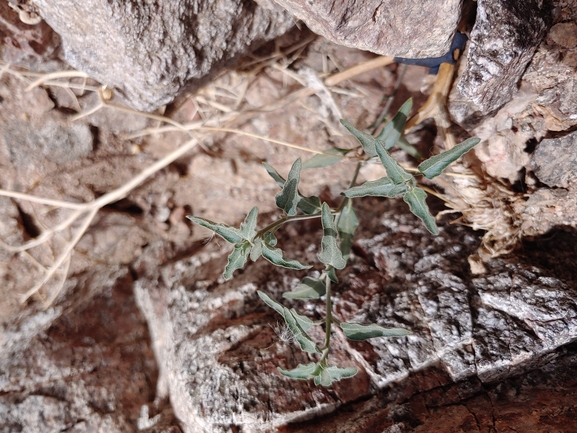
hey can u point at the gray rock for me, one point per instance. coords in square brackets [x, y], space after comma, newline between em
[218, 352]
[388, 27]
[502, 43]
[554, 161]
[151, 52]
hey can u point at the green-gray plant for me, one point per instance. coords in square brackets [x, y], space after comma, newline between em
[338, 225]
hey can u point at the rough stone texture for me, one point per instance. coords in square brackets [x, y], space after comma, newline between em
[389, 27]
[554, 161]
[218, 352]
[152, 51]
[503, 40]
[35, 47]
[91, 371]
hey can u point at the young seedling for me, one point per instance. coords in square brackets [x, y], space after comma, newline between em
[338, 226]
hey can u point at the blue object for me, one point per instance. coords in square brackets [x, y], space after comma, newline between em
[434, 62]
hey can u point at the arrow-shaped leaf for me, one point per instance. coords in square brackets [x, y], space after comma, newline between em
[302, 338]
[236, 259]
[309, 205]
[302, 372]
[323, 160]
[331, 374]
[394, 171]
[274, 174]
[392, 131]
[275, 256]
[346, 225]
[279, 308]
[383, 187]
[415, 198]
[367, 140]
[288, 198]
[308, 288]
[303, 321]
[330, 253]
[359, 332]
[435, 165]
[230, 234]
[248, 227]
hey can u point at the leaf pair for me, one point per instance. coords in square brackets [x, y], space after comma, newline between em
[322, 374]
[297, 324]
[398, 181]
[247, 244]
[289, 199]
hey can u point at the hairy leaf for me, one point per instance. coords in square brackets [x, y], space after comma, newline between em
[309, 205]
[230, 234]
[383, 187]
[287, 199]
[435, 165]
[346, 225]
[358, 332]
[394, 171]
[279, 308]
[275, 256]
[256, 250]
[330, 253]
[418, 206]
[302, 338]
[392, 131]
[331, 374]
[269, 239]
[248, 227]
[303, 321]
[237, 258]
[274, 174]
[322, 160]
[302, 372]
[367, 141]
[308, 288]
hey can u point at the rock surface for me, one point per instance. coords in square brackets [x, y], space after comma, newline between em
[563, 151]
[217, 349]
[387, 27]
[150, 52]
[504, 38]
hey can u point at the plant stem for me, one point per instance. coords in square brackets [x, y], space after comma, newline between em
[329, 316]
[274, 226]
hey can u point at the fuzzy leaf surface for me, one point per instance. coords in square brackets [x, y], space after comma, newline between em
[288, 198]
[308, 288]
[331, 374]
[230, 234]
[256, 250]
[275, 256]
[322, 160]
[346, 225]
[330, 253]
[279, 308]
[304, 322]
[383, 187]
[302, 372]
[367, 140]
[237, 259]
[392, 131]
[394, 171]
[280, 181]
[359, 332]
[415, 198]
[248, 226]
[305, 342]
[309, 205]
[435, 165]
